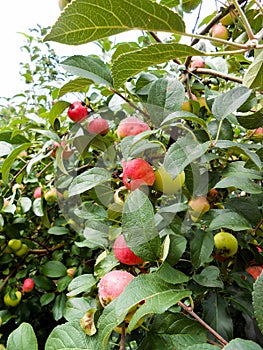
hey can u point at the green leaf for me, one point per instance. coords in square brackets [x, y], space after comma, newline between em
[95, 235]
[47, 298]
[76, 85]
[54, 269]
[217, 315]
[178, 116]
[201, 247]
[241, 182]
[58, 231]
[7, 165]
[190, 5]
[229, 102]
[202, 347]
[257, 296]
[242, 344]
[209, 277]
[86, 21]
[229, 219]
[129, 64]
[38, 207]
[59, 306]
[166, 93]
[22, 338]
[88, 180]
[171, 275]
[5, 148]
[70, 336]
[251, 121]
[76, 308]
[253, 77]
[56, 110]
[81, 284]
[138, 226]
[184, 151]
[88, 67]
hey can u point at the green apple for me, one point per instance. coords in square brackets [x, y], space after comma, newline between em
[10, 301]
[166, 184]
[226, 244]
[22, 251]
[51, 195]
[14, 244]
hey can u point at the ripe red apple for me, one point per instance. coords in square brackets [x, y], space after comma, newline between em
[136, 173]
[37, 192]
[199, 206]
[98, 126]
[112, 285]
[219, 31]
[28, 285]
[131, 126]
[255, 271]
[197, 62]
[257, 134]
[77, 111]
[123, 253]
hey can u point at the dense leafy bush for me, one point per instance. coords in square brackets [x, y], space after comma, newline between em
[67, 193]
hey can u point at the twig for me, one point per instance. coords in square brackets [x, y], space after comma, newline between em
[203, 323]
[46, 250]
[218, 74]
[244, 20]
[12, 272]
[122, 345]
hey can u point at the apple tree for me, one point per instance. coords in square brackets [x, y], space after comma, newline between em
[134, 185]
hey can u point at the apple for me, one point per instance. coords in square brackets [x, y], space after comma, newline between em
[197, 62]
[22, 251]
[166, 184]
[219, 31]
[78, 111]
[257, 134]
[37, 192]
[255, 271]
[199, 206]
[98, 126]
[136, 173]
[112, 285]
[123, 253]
[63, 3]
[229, 19]
[71, 271]
[187, 106]
[51, 195]
[12, 301]
[131, 126]
[28, 285]
[226, 244]
[14, 244]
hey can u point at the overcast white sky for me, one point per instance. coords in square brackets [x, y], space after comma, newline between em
[19, 16]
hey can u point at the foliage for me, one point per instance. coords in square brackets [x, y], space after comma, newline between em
[184, 295]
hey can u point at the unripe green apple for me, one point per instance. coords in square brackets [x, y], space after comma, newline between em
[22, 251]
[51, 195]
[226, 244]
[166, 184]
[14, 244]
[10, 301]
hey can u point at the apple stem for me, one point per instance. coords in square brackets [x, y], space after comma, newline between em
[203, 323]
[122, 345]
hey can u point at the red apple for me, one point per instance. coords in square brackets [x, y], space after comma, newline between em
[28, 285]
[98, 126]
[136, 173]
[255, 271]
[37, 192]
[219, 31]
[199, 206]
[77, 111]
[123, 253]
[131, 126]
[197, 62]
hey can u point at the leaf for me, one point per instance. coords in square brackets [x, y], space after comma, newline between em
[56, 110]
[88, 67]
[178, 116]
[251, 121]
[257, 301]
[253, 78]
[209, 277]
[76, 85]
[166, 93]
[190, 5]
[22, 338]
[202, 347]
[70, 336]
[47, 298]
[76, 308]
[158, 296]
[7, 165]
[38, 207]
[54, 269]
[242, 344]
[59, 306]
[216, 314]
[5, 148]
[138, 226]
[81, 284]
[229, 219]
[58, 231]
[88, 180]
[184, 151]
[86, 21]
[229, 102]
[241, 182]
[129, 64]
[201, 247]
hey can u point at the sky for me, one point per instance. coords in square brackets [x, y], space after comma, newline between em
[18, 16]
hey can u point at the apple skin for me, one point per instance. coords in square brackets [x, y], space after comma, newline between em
[136, 173]
[197, 62]
[131, 126]
[226, 244]
[255, 271]
[14, 244]
[12, 302]
[78, 111]
[51, 195]
[98, 126]
[28, 285]
[123, 253]
[112, 285]
[166, 184]
[71, 271]
[187, 106]
[229, 19]
[22, 251]
[219, 31]
[37, 192]
[199, 206]
[63, 3]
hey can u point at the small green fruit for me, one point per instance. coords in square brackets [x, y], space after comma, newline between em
[226, 244]
[51, 195]
[12, 302]
[14, 244]
[22, 251]
[166, 184]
